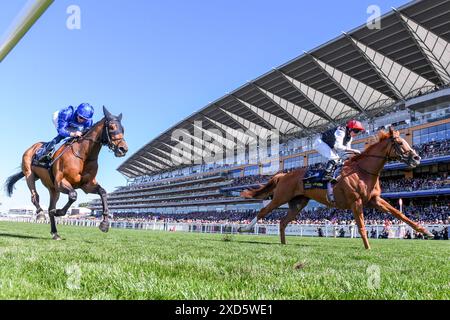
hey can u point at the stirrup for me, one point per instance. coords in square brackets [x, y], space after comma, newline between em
[330, 195]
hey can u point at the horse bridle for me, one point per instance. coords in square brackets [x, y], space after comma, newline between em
[403, 156]
[106, 139]
[106, 135]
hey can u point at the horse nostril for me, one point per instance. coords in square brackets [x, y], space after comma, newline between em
[417, 158]
[123, 150]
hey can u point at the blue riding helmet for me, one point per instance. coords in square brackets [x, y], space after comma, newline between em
[85, 111]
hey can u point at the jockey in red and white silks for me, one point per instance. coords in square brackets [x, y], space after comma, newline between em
[335, 144]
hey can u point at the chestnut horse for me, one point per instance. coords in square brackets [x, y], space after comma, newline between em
[74, 167]
[357, 187]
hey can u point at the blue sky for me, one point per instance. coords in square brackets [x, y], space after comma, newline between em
[154, 61]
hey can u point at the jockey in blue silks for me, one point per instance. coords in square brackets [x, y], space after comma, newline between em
[69, 122]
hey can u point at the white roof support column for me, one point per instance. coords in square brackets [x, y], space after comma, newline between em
[292, 110]
[151, 168]
[338, 84]
[223, 132]
[159, 159]
[242, 102]
[361, 94]
[153, 164]
[134, 174]
[219, 138]
[332, 108]
[169, 155]
[240, 136]
[435, 49]
[260, 131]
[400, 79]
[377, 70]
[185, 153]
[139, 169]
[275, 122]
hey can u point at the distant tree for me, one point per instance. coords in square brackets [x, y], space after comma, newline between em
[84, 205]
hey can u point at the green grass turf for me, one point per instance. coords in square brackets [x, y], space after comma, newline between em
[130, 264]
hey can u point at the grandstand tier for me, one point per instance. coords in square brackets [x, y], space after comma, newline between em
[397, 76]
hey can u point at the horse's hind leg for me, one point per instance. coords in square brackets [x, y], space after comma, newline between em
[31, 182]
[261, 215]
[295, 206]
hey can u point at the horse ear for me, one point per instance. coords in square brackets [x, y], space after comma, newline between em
[119, 117]
[106, 113]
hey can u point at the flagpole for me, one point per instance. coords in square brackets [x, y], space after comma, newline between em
[25, 22]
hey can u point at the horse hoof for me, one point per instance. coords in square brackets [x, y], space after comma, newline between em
[60, 213]
[40, 216]
[428, 236]
[56, 237]
[104, 226]
[243, 230]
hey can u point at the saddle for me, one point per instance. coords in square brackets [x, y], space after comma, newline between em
[314, 179]
[47, 163]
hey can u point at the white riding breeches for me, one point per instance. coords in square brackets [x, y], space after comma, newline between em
[325, 150]
[55, 119]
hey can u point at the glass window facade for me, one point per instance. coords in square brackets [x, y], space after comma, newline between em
[295, 162]
[251, 171]
[314, 158]
[435, 133]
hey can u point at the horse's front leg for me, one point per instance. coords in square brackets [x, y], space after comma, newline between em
[358, 214]
[65, 187]
[381, 204]
[95, 188]
[54, 196]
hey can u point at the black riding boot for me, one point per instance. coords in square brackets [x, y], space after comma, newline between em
[44, 154]
[329, 170]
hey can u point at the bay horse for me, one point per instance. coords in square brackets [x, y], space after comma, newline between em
[74, 166]
[356, 188]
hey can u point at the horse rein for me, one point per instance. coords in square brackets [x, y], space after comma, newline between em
[400, 155]
[105, 139]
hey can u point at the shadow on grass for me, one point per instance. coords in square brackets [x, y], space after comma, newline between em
[21, 236]
[263, 242]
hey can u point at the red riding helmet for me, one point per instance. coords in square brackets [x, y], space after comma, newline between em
[355, 125]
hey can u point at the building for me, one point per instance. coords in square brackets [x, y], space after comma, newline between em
[397, 75]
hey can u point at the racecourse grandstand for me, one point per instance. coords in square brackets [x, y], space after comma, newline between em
[397, 75]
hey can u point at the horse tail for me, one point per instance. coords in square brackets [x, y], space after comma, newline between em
[11, 181]
[263, 192]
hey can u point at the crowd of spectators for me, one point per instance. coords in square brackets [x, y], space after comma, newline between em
[414, 184]
[427, 214]
[433, 148]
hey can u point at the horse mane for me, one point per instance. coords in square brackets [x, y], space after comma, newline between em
[91, 129]
[382, 135]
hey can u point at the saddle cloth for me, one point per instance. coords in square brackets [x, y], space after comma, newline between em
[314, 179]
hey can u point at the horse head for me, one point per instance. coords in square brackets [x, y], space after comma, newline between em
[113, 134]
[399, 149]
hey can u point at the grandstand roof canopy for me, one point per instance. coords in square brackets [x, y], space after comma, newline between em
[355, 75]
